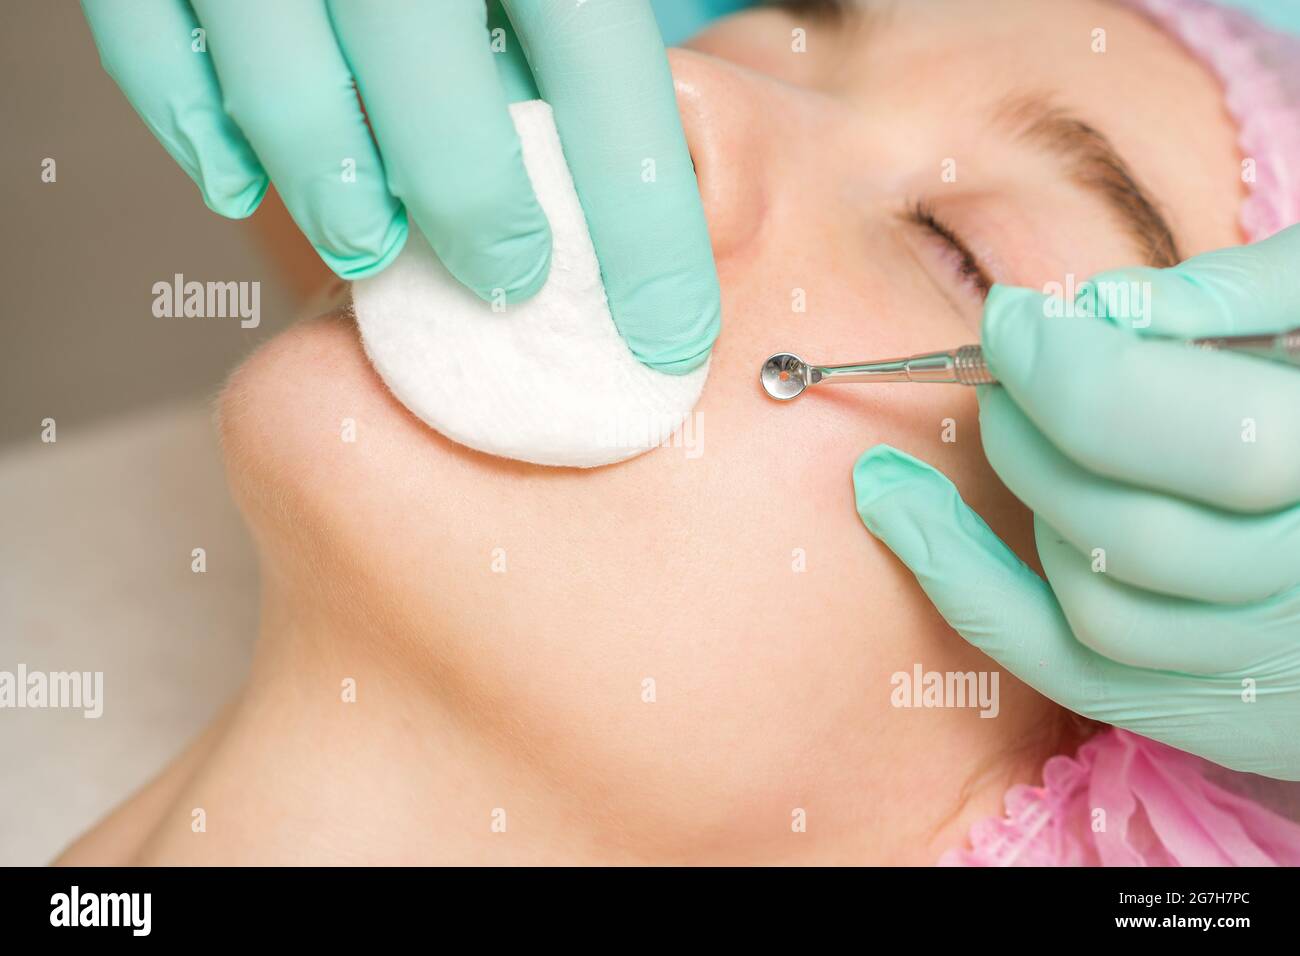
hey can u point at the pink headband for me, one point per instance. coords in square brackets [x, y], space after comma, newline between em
[1260, 72]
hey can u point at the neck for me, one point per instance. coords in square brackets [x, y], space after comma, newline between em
[378, 752]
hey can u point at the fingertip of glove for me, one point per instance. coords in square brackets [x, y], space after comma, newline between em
[363, 266]
[236, 203]
[884, 471]
[525, 259]
[1010, 332]
[530, 282]
[1005, 311]
[897, 498]
[1107, 296]
[682, 366]
[682, 344]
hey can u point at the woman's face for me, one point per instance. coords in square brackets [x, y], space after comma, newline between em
[735, 574]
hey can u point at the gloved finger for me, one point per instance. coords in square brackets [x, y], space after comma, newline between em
[1146, 538]
[152, 51]
[438, 109]
[986, 593]
[508, 54]
[1144, 629]
[998, 604]
[603, 68]
[1240, 290]
[288, 88]
[1214, 426]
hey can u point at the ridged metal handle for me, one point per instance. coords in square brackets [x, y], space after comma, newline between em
[970, 368]
[1291, 343]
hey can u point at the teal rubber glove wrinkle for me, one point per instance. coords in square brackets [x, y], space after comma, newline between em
[624, 142]
[1165, 486]
[243, 93]
[149, 54]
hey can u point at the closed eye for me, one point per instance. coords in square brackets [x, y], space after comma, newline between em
[965, 264]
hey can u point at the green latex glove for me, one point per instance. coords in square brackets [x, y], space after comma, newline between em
[1180, 464]
[265, 92]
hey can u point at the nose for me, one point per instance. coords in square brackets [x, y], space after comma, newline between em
[726, 112]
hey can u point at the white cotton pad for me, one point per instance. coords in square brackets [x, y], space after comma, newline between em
[549, 380]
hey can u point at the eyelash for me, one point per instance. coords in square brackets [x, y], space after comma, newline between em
[922, 214]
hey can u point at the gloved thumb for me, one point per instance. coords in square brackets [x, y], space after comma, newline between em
[1238, 290]
[982, 589]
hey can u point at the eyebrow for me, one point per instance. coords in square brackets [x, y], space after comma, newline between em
[1095, 165]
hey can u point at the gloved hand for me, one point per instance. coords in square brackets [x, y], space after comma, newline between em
[240, 91]
[1165, 486]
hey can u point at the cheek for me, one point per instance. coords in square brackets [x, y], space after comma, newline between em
[863, 301]
[539, 600]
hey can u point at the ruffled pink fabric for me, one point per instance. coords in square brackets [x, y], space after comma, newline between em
[1259, 69]
[1124, 800]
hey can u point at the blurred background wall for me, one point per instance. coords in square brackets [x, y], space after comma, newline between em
[79, 256]
[98, 528]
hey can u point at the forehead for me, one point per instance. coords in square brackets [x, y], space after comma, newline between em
[947, 65]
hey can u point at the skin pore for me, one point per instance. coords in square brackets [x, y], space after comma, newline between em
[740, 582]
